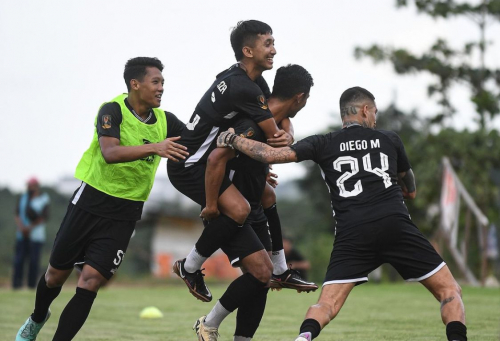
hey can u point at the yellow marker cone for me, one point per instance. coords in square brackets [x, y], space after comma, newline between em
[150, 313]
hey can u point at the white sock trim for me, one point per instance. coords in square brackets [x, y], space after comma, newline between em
[194, 261]
[279, 262]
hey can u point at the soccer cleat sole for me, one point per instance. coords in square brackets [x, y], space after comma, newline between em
[175, 269]
[196, 328]
[275, 285]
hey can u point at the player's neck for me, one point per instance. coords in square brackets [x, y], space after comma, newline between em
[140, 108]
[251, 69]
[351, 123]
[355, 122]
[278, 108]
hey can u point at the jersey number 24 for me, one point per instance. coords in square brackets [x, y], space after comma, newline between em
[354, 165]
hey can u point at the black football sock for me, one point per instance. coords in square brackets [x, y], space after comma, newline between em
[215, 234]
[250, 314]
[456, 331]
[278, 254]
[43, 300]
[274, 222]
[74, 315]
[312, 326]
[240, 291]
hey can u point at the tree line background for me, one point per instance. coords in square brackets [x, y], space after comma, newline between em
[475, 154]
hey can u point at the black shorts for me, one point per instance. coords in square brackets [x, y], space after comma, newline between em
[87, 238]
[248, 240]
[250, 184]
[359, 250]
[190, 181]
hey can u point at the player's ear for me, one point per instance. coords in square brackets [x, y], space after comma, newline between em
[134, 84]
[364, 111]
[300, 97]
[247, 51]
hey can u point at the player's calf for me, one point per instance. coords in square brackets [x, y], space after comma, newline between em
[258, 265]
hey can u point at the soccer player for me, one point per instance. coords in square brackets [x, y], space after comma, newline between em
[117, 173]
[368, 175]
[236, 92]
[290, 93]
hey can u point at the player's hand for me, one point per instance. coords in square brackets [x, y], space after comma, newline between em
[224, 137]
[171, 150]
[281, 139]
[209, 213]
[271, 178]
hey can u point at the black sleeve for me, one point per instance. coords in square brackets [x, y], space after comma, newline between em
[109, 119]
[174, 125]
[261, 82]
[247, 128]
[309, 148]
[403, 162]
[249, 99]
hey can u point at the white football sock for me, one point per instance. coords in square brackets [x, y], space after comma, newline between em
[216, 316]
[194, 261]
[279, 262]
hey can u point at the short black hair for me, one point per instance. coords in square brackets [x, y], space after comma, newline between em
[351, 97]
[135, 68]
[245, 33]
[290, 80]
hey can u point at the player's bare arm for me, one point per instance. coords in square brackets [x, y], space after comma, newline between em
[285, 139]
[406, 180]
[286, 125]
[113, 152]
[271, 131]
[257, 150]
[214, 174]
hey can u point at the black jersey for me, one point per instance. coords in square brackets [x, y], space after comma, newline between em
[114, 112]
[232, 96]
[360, 167]
[96, 202]
[247, 174]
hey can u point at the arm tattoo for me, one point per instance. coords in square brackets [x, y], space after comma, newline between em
[446, 301]
[409, 181]
[264, 153]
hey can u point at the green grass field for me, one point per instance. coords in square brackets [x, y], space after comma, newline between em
[372, 312]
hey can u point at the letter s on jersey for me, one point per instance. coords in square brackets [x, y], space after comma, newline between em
[119, 257]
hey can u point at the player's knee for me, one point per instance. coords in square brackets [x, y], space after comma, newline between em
[329, 308]
[54, 279]
[241, 212]
[451, 290]
[457, 289]
[91, 281]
